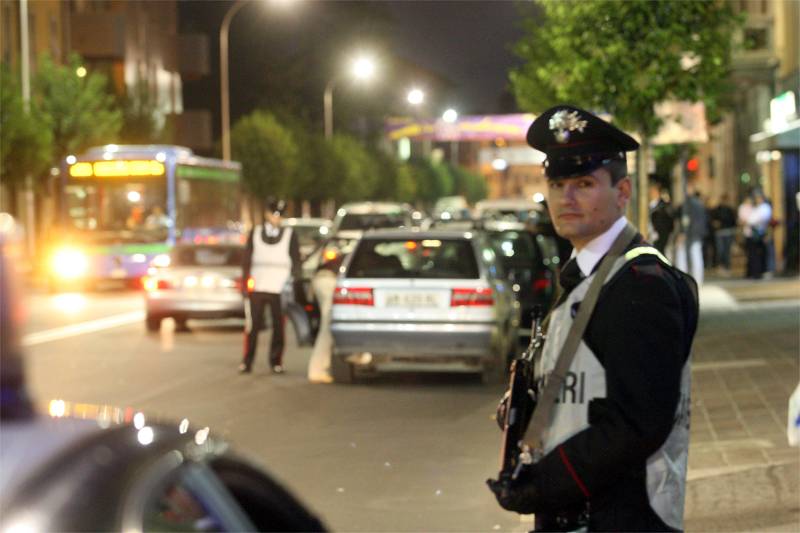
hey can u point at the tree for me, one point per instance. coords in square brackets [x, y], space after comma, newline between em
[268, 153]
[624, 58]
[79, 111]
[25, 142]
[468, 184]
[357, 171]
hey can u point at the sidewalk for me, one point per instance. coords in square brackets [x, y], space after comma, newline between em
[743, 476]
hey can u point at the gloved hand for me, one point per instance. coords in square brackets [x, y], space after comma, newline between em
[502, 408]
[519, 495]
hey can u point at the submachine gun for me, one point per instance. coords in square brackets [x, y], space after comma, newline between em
[518, 403]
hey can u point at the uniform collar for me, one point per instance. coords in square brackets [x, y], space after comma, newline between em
[591, 254]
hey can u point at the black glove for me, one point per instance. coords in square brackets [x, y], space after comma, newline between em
[502, 408]
[519, 495]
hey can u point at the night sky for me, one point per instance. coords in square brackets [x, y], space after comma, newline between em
[466, 43]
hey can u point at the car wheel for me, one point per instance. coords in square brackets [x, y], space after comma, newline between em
[341, 370]
[153, 323]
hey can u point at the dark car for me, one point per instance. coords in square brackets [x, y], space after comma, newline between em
[531, 261]
[81, 467]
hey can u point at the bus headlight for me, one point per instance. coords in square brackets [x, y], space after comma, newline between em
[69, 263]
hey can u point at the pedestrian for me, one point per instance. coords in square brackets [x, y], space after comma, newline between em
[755, 215]
[661, 218]
[323, 284]
[614, 453]
[271, 259]
[723, 219]
[689, 247]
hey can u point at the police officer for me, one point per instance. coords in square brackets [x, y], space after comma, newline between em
[272, 256]
[616, 445]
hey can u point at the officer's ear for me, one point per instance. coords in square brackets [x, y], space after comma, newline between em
[624, 188]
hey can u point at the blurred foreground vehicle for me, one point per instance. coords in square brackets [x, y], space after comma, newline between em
[82, 467]
[431, 300]
[120, 206]
[204, 281]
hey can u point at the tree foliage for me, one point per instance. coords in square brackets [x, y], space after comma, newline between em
[268, 153]
[25, 142]
[625, 57]
[80, 112]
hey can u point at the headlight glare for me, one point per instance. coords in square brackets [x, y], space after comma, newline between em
[69, 263]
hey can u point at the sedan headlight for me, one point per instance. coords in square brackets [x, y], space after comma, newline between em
[69, 263]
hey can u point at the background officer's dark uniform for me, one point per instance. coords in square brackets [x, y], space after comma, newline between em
[640, 332]
[259, 299]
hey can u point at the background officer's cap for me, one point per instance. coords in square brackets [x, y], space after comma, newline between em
[577, 142]
[274, 205]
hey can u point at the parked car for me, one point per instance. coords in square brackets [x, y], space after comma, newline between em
[203, 281]
[352, 220]
[510, 210]
[311, 232]
[531, 261]
[423, 300]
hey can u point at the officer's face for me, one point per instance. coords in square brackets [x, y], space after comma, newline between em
[584, 207]
[273, 218]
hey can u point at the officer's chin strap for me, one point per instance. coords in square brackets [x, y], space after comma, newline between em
[532, 443]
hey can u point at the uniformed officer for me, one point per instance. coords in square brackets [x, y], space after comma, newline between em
[271, 258]
[616, 445]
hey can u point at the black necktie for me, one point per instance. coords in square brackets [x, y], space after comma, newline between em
[569, 277]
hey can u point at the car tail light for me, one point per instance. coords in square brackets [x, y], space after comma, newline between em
[542, 284]
[154, 284]
[353, 296]
[330, 254]
[251, 284]
[471, 297]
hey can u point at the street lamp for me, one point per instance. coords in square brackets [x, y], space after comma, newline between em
[224, 79]
[450, 116]
[415, 97]
[363, 69]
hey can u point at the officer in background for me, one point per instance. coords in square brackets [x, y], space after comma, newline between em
[271, 258]
[616, 446]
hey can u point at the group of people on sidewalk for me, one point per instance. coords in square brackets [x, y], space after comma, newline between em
[696, 236]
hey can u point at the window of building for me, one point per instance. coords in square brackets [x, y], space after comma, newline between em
[755, 39]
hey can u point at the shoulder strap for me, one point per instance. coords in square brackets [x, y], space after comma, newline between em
[546, 402]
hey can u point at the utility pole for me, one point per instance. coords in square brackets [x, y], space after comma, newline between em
[25, 70]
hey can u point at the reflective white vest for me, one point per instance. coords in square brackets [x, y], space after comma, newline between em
[271, 265]
[666, 468]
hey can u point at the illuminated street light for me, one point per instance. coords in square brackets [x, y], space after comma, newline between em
[224, 78]
[450, 116]
[80, 72]
[363, 69]
[415, 97]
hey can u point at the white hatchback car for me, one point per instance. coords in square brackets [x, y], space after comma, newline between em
[435, 300]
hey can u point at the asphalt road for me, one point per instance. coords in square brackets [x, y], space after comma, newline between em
[402, 452]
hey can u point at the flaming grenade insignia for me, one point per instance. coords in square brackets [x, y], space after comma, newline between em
[563, 122]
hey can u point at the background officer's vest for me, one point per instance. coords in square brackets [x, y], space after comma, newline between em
[272, 265]
[666, 468]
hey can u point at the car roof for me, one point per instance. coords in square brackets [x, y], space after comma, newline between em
[307, 221]
[361, 208]
[405, 233]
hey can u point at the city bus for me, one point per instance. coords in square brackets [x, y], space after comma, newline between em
[121, 208]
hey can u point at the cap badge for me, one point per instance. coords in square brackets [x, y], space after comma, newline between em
[563, 122]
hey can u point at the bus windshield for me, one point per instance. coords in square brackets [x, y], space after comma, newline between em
[128, 209]
[207, 203]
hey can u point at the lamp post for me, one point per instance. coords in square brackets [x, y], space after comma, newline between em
[450, 116]
[363, 69]
[224, 78]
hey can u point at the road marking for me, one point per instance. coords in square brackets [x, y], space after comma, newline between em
[82, 328]
[725, 365]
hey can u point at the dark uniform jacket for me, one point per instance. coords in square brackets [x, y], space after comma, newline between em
[641, 332]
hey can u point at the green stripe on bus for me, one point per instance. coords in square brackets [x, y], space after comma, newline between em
[129, 249]
[207, 173]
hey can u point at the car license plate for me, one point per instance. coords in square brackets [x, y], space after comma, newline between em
[411, 299]
[118, 273]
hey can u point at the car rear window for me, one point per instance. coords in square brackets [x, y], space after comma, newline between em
[365, 221]
[207, 256]
[417, 258]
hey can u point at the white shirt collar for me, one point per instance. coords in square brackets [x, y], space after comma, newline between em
[598, 247]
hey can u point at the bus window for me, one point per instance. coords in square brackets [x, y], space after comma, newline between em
[207, 204]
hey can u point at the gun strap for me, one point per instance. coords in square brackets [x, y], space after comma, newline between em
[533, 436]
